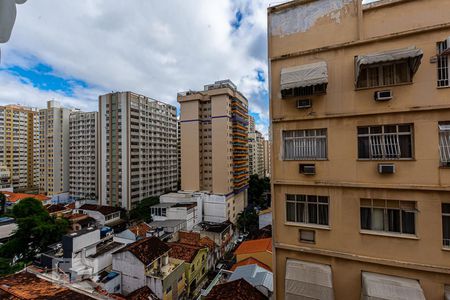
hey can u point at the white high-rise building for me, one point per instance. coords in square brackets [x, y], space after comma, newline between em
[19, 146]
[54, 149]
[138, 148]
[83, 155]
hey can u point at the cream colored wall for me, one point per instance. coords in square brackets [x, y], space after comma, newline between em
[221, 147]
[190, 161]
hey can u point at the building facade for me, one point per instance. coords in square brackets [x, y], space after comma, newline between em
[267, 158]
[54, 149]
[255, 150]
[83, 154]
[138, 148]
[360, 148]
[214, 143]
[19, 145]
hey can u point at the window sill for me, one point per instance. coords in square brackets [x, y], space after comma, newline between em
[382, 86]
[446, 249]
[443, 87]
[306, 160]
[384, 160]
[389, 234]
[304, 225]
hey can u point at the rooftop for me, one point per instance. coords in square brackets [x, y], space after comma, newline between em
[53, 208]
[14, 197]
[255, 275]
[248, 247]
[103, 209]
[104, 248]
[144, 293]
[183, 251]
[250, 261]
[215, 227]
[140, 229]
[167, 223]
[147, 249]
[236, 290]
[193, 238]
[29, 286]
[187, 205]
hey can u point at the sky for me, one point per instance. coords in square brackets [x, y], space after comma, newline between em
[74, 51]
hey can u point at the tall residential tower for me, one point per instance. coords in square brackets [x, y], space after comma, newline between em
[214, 143]
[138, 148]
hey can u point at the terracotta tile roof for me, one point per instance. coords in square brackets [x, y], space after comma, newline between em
[140, 229]
[74, 217]
[103, 209]
[28, 286]
[193, 238]
[236, 290]
[250, 261]
[14, 197]
[53, 208]
[147, 249]
[183, 251]
[71, 205]
[253, 246]
[144, 293]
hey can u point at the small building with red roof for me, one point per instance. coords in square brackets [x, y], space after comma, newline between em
[260, 250]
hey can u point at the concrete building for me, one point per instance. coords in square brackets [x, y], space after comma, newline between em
[360, 179]
[255, 150]
[83, 128]
[188, 212]
[19, 145]
[138, 148]
[214, 143]
[54, 149]
[267, 158]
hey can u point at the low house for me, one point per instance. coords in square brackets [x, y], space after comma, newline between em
[26, 286]
[57, 210]
[80, 221]
[220, 233]
[134, 233]
[104, 215]
[168, 229]
[194, 239]
[196, 265]
[81, 254]
[265, 218]
[250, 261]
[235, 290]
[258, 277]
[146, 263]
[259, 249]
[177, 211]
[14, 198]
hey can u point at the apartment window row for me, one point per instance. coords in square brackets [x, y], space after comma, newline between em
[382, 142]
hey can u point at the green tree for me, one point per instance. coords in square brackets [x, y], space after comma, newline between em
[36, 230]
[248, 221]
[257, 188]
[142, 210]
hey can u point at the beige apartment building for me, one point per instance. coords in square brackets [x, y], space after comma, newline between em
[54, 149]
[19, 145]
[83, 155]
[267, 156]
[214, 143]
[138, 149]
[255, 150]
[360, 120]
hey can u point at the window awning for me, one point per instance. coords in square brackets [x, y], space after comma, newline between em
[305, 280]
[304, 75]
[380, 287]
[412, 54]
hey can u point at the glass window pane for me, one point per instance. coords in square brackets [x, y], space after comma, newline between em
[446, 230]
[408, 222]
[401, 72]
[366, 218]
[300, 212]
[290, 212]
[393, 220]
[362, 80]
[405, 146]
[312, 198]
[363, 130]
[312, 213]
[377, 219]
[323, 214]
[290, 197]
[363, 147]
[388, 75]
[446, 208]
[373, 76]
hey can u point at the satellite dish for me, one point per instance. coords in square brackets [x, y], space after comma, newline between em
[7, 18]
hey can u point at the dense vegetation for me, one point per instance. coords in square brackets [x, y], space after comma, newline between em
[36, 230]
[142, 210]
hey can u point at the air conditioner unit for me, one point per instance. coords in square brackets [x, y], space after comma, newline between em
[383, 95]
[386, 168]
[308, 169]
[304, 103]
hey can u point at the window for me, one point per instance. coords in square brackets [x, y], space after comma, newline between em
[444, 143]
[446, 225]
[442, 64]
[384, 74]
[308, 236]
[307, 209]
[311, 90]
[310, 144]
[385, 142]
[388, 215]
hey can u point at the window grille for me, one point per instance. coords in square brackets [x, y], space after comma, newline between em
[308, 144]
[444, 144]
[442, 64]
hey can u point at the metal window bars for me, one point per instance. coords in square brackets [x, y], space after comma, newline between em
[442, 64]
[444, 144]
[308, 144]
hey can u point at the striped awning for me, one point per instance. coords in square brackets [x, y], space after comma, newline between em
[412, 54]
[386, 287]
[306, 280]
[304, 75]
